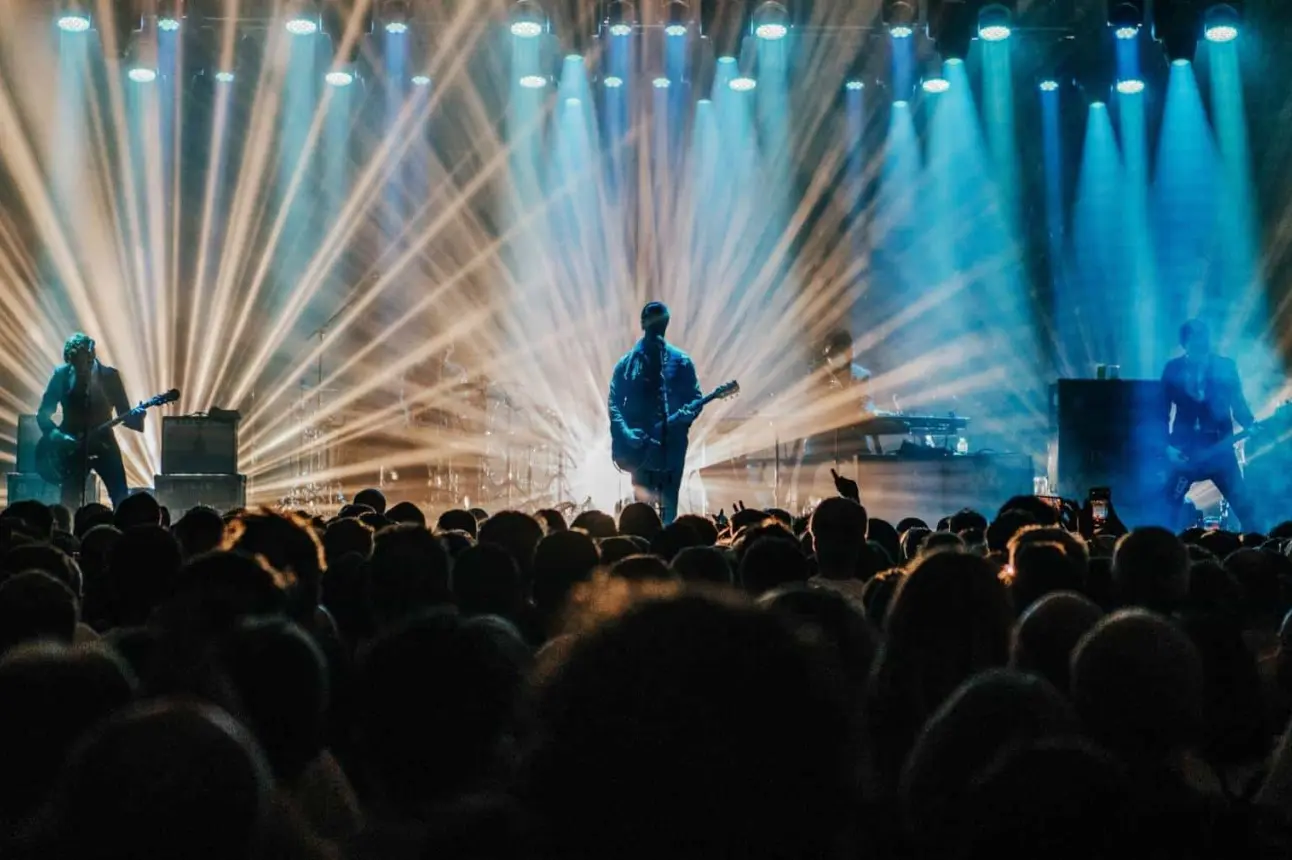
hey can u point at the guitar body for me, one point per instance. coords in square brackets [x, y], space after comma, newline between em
[649, 454]
[55, 460]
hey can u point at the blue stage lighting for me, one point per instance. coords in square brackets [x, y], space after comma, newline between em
[528, 20]
[994, 22]
[1221, 24]
[743, 84]
[420, 80]
[142, 75]
[526, 29]
[339, 78]
[853, 86]
[613, 82]
[302, 26]
[573, 103]
[675, 30]
[1222, 33]
[225, 77]
[533, 82]
[397, 28]
[771, 21]
[1098, 106]
[621, 29]
[936, 85]
[901, 104]
[1130, 87]
[1126, 33]
[677, 15]
[901, 31]
[1049, 86]
[1181, 62]
[661, 83]
[168, 24]
[726, 61]
[76, 23]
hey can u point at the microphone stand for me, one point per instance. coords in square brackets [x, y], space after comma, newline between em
[85, 436]
[661, 479]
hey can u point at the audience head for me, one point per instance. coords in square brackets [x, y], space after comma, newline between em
[641, 568]
[45, 558]
[346, 536]
[552, 520]
[881, 532]
[1042, 568]
[822, 612]
[1137, 684]
[672, 539]
[967, 520]
[137, 509]
[35, 605]
[1047, 633]
[89, 516]
[704, 529]
[597, 525]
[406, 512]
[617, 549]
[487, 581]
[561, 561]
[703, 564]
[288, 544]
[1008, 524]
[515, 532]
[641, 520]
[457, 520]
[199, 531]
[771, 562]
[690, 693]
[838, 529]
[407, 573]
[373, 498]
[164, 779]
[913, 541]
[1151, 570]
[36, 518]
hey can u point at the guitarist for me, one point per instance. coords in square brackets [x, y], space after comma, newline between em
[88, 392]
[1207, 396]
[655, 379]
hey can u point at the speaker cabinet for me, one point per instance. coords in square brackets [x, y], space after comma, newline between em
[199, 446]
[1113, 433]
[179, 493]
[28, 486]
[28, 436]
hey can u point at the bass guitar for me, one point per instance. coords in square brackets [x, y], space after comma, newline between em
[634, 455]
[58, 458]
[1188, 467]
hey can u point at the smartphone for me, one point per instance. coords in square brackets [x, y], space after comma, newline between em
[1100, 497]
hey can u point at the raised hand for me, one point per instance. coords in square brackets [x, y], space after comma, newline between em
[846, 487]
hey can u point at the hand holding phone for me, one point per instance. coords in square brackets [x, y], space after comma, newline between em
[1100, 502]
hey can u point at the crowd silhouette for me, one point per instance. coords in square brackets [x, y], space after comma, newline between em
[263, 684]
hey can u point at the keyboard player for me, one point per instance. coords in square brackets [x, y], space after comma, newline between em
[843, 373]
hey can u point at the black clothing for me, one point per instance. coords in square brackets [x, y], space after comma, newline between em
[86, 402]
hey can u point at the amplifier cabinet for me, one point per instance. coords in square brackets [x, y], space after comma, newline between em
[28, 435]
[28, 486]
[199, 446]
[179, 493]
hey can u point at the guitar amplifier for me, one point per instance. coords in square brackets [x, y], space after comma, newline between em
[28, 486]
[179, 493]
[199, 446]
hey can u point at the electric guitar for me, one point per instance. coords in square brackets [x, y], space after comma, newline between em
[57, 459]
[1188, 467]
[631, 455]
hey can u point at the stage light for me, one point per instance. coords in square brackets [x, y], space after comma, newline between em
[994, 23]
[168, 25]
[901, 104]
[952, 25]
[1221, 23]
[302, 25]
[743, 84]
[1098, 106]
[225, 77]
[1126, 17]
[661, 83]
[573, 103]
[339, 78]
[771, 21]
[620, 18]
[76, 22]
[613, 82]
[1181, 62]
[1130, 87]
[726, 61]
[1177, 24]
[395, 14]
[533, 82]
[677, 17]
[1049, 85]
[528, 20]
[854, 86]
[899, 16]
[142, 75]
[420, 80]
[936, 85]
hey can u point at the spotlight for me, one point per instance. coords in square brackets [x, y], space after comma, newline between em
[727, 60]
[743, 84]
[1126, 17]
[1130, 87]
[936, 85]
[1221, 23]
[339, 78]
[420, 80]
[1181, 62]
[74, 22]
[528, 20]
[661, 83]
[677, 18]
[901, 104]
[854, 86]
[573, 103]
[994, 23]
[952, 24]
[533, 82]
[771, 21]
[1049, 85]
[142, 75]
[1098, 106]
[899, 16]
[613, 82]
[1177, 25]
[395, 14]
[225, 77]
[620, 18]
[302, 25]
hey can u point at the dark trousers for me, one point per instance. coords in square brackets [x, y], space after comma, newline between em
[1223, 471]
[659, 488]
[106, 462]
